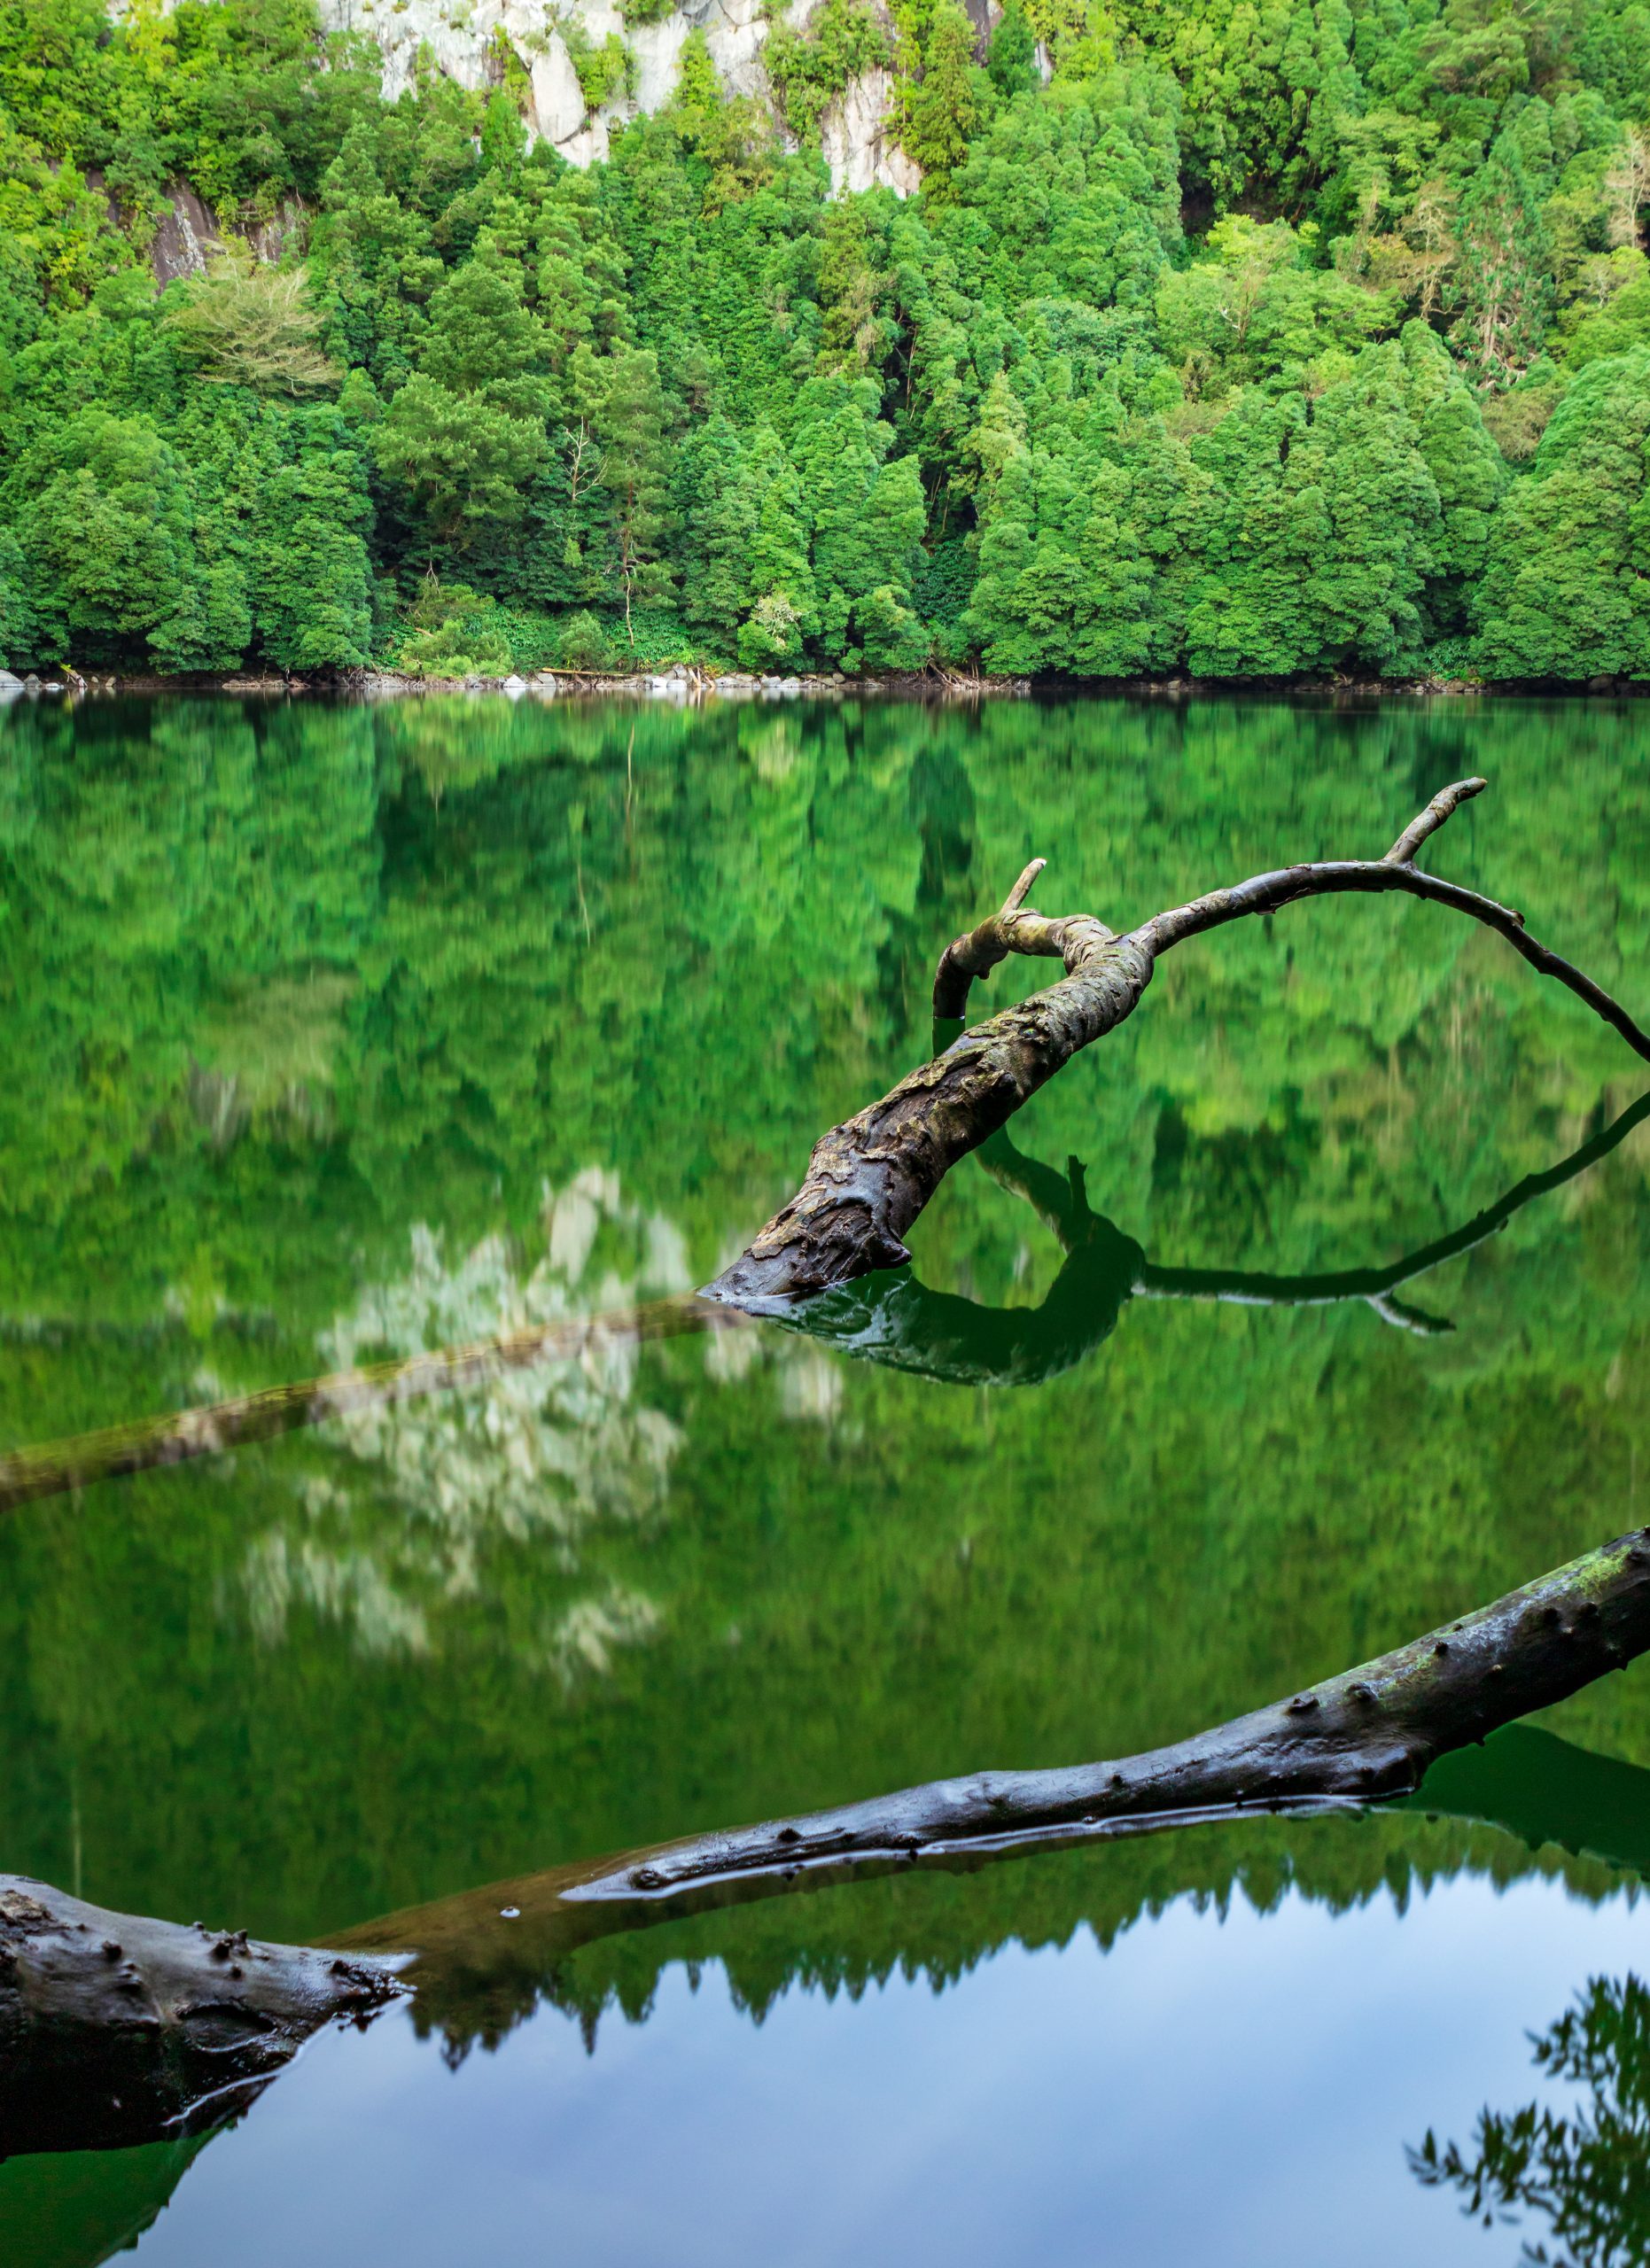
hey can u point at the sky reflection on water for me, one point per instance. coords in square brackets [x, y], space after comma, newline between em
[1238, 2090]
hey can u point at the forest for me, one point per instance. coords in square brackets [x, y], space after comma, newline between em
[1247, 342]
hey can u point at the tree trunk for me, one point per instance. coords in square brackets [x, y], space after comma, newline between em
[113, 2029]
[1370, 1732]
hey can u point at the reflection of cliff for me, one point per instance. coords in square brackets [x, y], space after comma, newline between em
[530, 1458]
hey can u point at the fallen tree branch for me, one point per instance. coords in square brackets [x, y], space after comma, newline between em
[894, 1319]
[869, 1178]
[115, 2029]
[1371, 1732]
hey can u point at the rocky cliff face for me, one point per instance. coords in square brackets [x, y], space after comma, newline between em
[466, 39]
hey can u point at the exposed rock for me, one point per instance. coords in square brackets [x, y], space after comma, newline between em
[186, 236]
[458, 37]
[859, 148]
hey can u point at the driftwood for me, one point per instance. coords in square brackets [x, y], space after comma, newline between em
[1372, 1731]
[868, 1179]
[478, 1963]
[115, 2029]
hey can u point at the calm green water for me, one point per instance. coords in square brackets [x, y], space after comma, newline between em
[334, 1032]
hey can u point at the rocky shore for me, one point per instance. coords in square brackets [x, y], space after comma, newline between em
[684, 684]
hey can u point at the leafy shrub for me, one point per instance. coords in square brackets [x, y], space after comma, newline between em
[807, 70]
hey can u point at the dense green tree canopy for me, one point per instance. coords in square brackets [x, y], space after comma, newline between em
[1227, 347]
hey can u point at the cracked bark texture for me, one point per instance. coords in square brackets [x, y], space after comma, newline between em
[115, 2029]
[869, 1178]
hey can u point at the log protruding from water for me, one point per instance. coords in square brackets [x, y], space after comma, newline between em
[1370, 1732]
[869, 1178]
[115, 2029]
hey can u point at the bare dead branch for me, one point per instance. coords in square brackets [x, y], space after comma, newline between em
[869, 1178]
[905, 1325]
[1446, 801]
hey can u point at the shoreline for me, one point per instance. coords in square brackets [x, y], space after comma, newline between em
[682, 684]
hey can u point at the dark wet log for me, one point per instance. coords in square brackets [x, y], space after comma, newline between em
[869, 1178]
[1356, 1740]
[115, 2029]
[1373, 1731]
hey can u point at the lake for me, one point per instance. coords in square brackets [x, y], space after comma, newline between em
[337, 1032]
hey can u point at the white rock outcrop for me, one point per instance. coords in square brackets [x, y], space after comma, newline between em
[461, 37]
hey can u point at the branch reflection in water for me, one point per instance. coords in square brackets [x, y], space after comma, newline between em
[1584, 2170]
[891, 1317]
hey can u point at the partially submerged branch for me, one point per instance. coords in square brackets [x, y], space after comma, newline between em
[115, 2029]
[892, 1318]
[869, 1178]
[1372, 1731]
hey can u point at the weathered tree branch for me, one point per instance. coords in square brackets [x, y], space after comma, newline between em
[115, 2029]
[893, 1319]
[869, 1178]
[1371, 1732]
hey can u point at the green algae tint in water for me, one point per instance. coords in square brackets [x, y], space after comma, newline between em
[335, 1032]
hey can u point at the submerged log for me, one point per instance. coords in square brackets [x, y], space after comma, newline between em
[1370, 1732]
[892, 1318]
[869, 1178]
[115, 2029]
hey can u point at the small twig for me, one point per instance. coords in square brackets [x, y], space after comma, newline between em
[1446, 801]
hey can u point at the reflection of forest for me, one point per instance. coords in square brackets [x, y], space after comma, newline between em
[1579, 2173]
[273, 1000]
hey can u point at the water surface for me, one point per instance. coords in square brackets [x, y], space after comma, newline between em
[335, 1032]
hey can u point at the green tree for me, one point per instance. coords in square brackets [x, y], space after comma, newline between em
[867, 516]
[630, 429]
[311, 573]
[946, 105]
[782, 595]
[1567, 589]
[1011, 59]
[715, 505]
[1503, 282]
